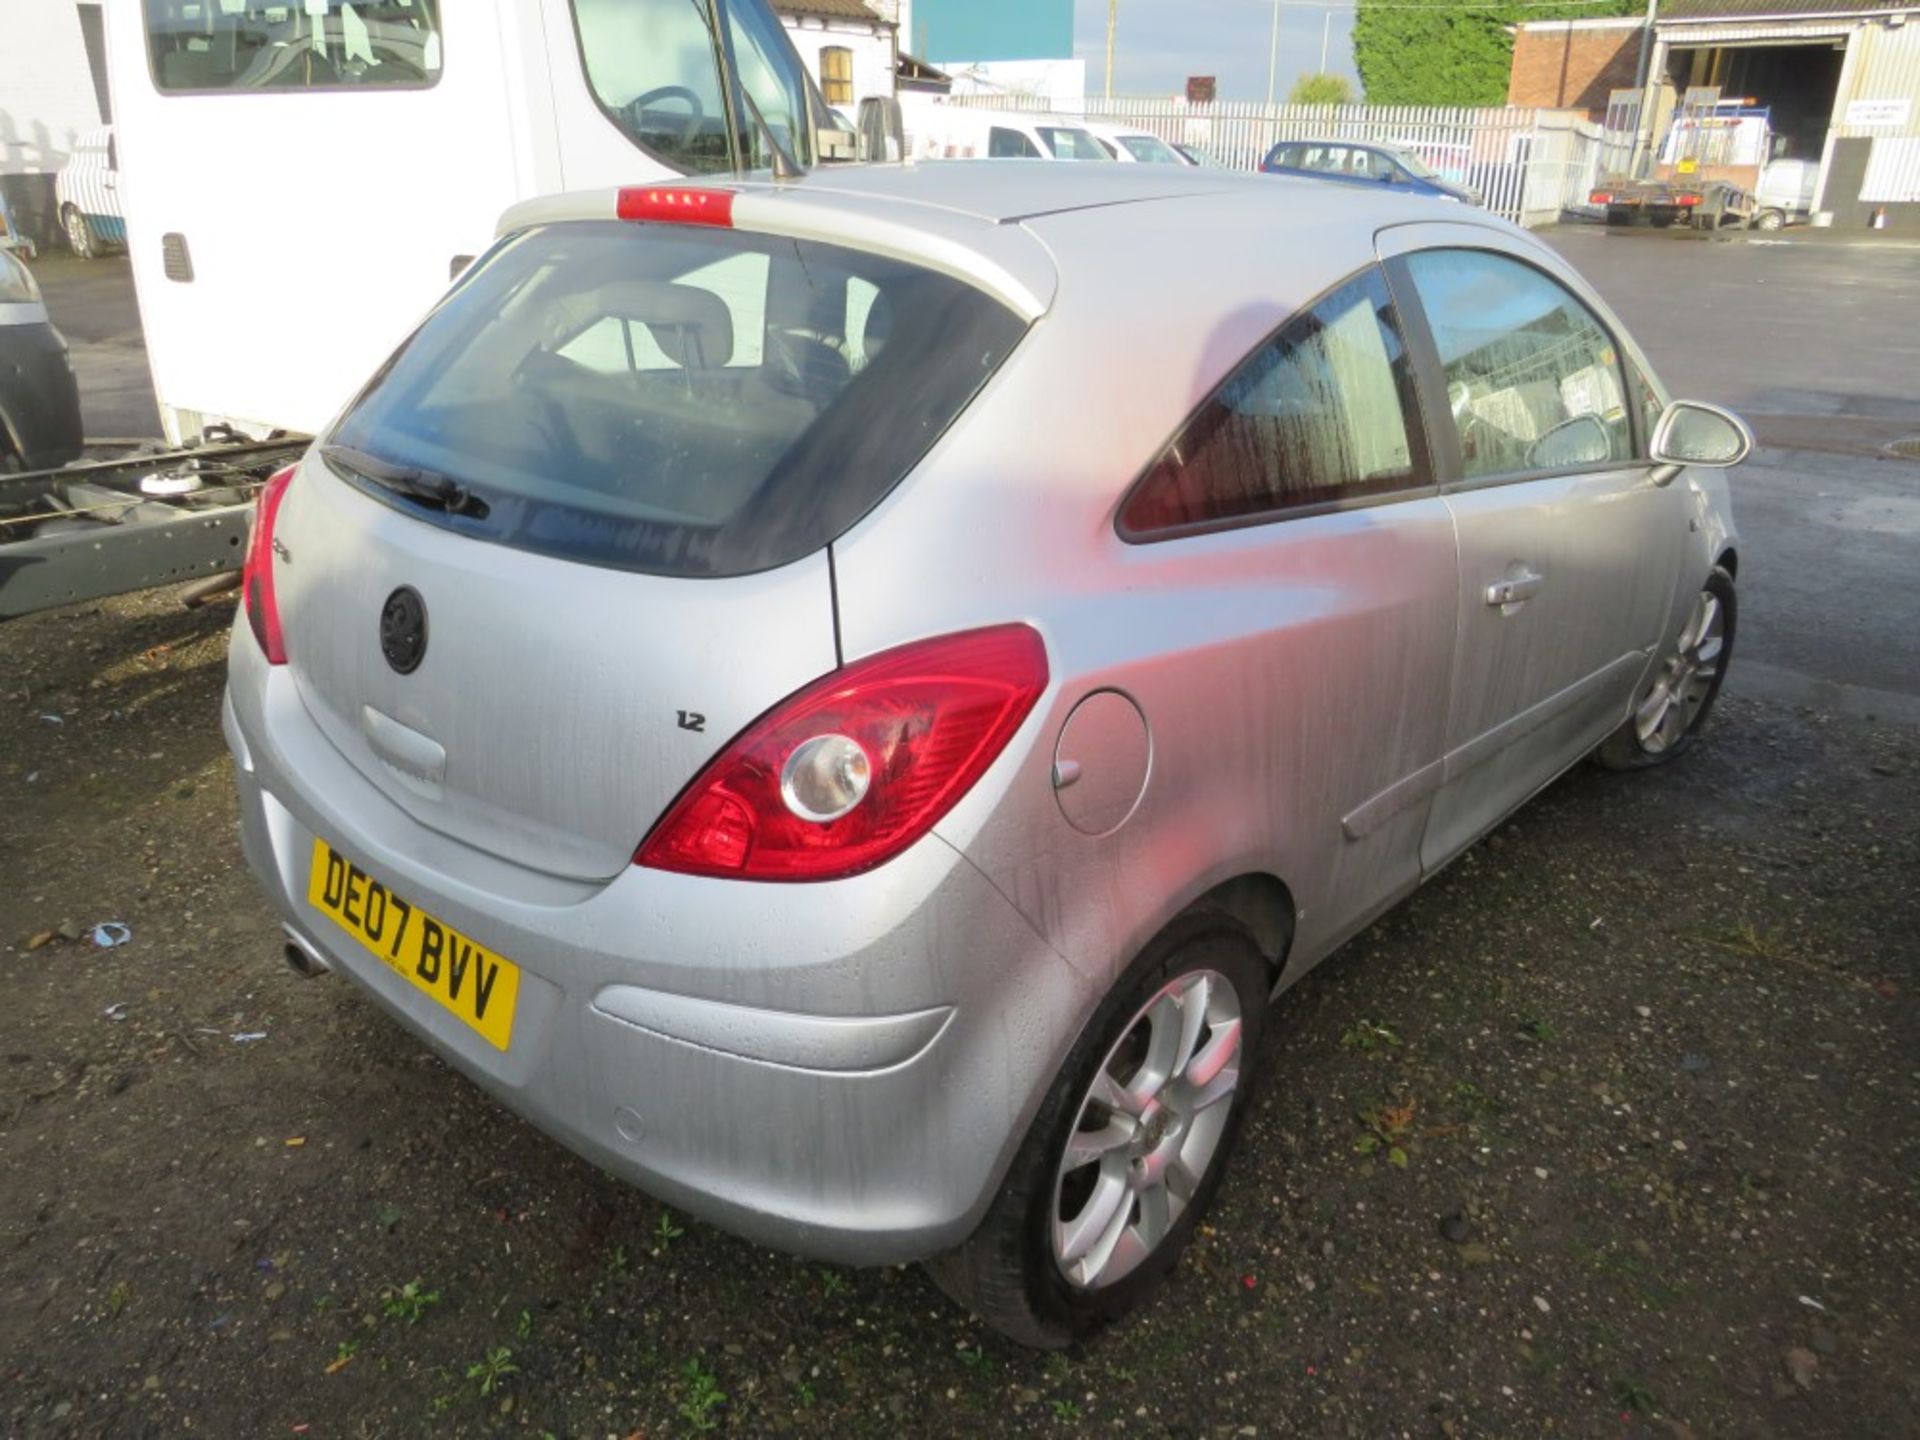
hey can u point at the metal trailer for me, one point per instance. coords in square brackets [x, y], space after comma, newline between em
[105, 527]
[1706, 170]
[1705, 205]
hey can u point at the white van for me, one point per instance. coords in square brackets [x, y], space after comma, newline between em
[301, 177]
[87, 195]
[937, 131]
[1136, 146]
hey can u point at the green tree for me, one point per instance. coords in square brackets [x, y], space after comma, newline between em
[1321, 90]
[1448, 52]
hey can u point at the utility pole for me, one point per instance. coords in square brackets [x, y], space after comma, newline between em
[1113, 21]
[1273, 53]
[1643, 75]
[1326, 30]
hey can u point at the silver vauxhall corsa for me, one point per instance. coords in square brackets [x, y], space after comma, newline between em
[842, 700]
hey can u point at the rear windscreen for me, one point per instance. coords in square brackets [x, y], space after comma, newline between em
[674, 399]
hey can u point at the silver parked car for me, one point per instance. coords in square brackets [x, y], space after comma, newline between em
[843, 700]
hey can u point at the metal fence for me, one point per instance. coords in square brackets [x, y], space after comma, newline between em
[1528, 165]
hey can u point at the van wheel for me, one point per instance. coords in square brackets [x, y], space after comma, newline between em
[1129, 1145]
[1675, 704]
[80, 238]
[1770, 220]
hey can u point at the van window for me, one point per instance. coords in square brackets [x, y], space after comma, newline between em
[203, 45]
[1533, 378]
[1005, 144]
[654, 69]
[1069, 142]
[1150, 149]
[1318, 415]
[674, 399]
[655, 72]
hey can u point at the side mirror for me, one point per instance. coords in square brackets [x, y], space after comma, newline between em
[1692, 432]
[1583, 440]
[883, 131]
[838, 146]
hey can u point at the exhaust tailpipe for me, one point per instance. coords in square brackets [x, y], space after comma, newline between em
[303, 959]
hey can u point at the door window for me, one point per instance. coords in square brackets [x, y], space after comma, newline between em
[1646, 396]
[1371, 165]
[1005, 144]
[202, 45]
[1318, 414]
[771, 77]
[1533, 379]
[1071, 143]
[654, 71]
[654, 68]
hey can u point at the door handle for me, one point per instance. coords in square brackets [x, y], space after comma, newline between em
[1514, 589]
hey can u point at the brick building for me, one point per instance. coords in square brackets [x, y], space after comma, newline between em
[1839, 81]
[1573, 64]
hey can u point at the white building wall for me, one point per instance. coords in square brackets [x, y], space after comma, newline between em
[872, 47]
[47, 99]
[1044, 84]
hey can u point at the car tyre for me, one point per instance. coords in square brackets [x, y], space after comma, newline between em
[1673, 706]
[1012, 1272]
[80, 237]
[1770, 220]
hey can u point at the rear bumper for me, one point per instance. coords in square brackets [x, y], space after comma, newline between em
[839, 1070]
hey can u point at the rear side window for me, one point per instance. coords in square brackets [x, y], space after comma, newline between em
[1533, 378]
[1318, 415]
[199, 45]
[1149, 148]
[1005, 144]
[1070, 143]
[675, 399]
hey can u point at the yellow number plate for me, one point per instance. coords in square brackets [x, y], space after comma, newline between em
[475, 984]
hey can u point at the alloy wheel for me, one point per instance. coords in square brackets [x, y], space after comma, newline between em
[79, 234]
[1147, 1130]
[1686, 680]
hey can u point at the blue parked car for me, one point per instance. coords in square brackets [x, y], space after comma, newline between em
[1363, 163]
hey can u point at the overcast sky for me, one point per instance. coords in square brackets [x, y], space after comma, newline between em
[1161, 42]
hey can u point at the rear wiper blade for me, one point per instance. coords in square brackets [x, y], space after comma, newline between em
[427, 486]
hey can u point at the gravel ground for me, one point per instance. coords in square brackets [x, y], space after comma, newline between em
[1649, 1054]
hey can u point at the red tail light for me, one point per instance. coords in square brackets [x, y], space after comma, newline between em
[1600, 197]
[1686, 199]
[676, 205]
[902, 734]
[256, 576]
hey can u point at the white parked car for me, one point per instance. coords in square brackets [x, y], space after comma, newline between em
[1137, 146]
[1784, 195]
[952, 132]
[711, 688]
[87, 193]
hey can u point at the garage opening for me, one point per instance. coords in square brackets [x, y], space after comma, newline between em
[1795, 83]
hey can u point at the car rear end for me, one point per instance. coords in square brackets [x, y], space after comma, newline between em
[40, 424]
[543, 735]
